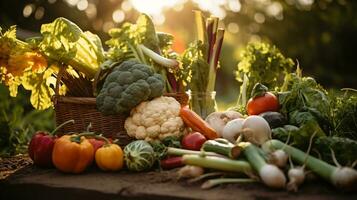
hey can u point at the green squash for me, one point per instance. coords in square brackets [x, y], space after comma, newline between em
[139, 156]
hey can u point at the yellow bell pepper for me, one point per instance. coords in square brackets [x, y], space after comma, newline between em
[109, 157]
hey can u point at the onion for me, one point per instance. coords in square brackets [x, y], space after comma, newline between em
[278, 158]
[233, 129]
[256, 130]
[296, 177]
[218, 120]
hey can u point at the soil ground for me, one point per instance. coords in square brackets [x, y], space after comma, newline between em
[30, 182]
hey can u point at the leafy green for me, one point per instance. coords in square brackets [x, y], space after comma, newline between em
[65, 43]
[141, 42]
[345, 149]
[18, 122]
[263, 63]
[160, 147]
[344, 116]
[303, 100]
[299, 136]
[194, 69]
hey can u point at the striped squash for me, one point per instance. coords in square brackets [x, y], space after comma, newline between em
[139, 156]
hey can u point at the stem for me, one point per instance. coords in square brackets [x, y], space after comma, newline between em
[171, 63]
[230, 151]
[217, 163]
[218, 181]
[61, 125]
[319, 167]
[181, 152]
[251, 152]
[270, 174]
[200, 26]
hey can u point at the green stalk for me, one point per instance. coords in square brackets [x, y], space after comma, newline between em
[170, 63]
[61, 125]
[180, 152]
[252, 154]
[217, 163]
[229, 150]
[270, 174]
[218, 181]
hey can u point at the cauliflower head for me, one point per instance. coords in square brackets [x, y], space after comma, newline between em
[129, 84]
[155, 119]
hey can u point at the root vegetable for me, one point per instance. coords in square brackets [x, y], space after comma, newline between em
[341, 177]
[296, 177]
[190, 171]
[233, 129]
[278, 158]
[218, 120]
[270, 175]
[256, 130]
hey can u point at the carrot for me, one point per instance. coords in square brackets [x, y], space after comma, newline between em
[196, 123]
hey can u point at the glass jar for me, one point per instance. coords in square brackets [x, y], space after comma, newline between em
[203, 103]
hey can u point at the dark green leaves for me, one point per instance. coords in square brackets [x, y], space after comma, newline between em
[195, 68]
[263, 63]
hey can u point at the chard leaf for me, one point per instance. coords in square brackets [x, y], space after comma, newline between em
[146, 33]
[59, 39]
[38, 84]
[64, 42]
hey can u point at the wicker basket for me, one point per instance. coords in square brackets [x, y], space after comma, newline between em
[84, 111]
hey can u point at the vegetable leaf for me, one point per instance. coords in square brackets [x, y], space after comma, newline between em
[64, 42]
[39, 85]
[263, 63]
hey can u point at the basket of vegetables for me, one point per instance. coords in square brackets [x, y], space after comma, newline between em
[68, 69]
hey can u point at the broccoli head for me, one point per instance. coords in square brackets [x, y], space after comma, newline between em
[129, 84]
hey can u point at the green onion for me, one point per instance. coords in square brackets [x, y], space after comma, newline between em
[342, 177]
[218, 163]
[271, 175]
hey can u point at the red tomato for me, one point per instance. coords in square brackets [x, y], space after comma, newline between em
[193, 141]
[265, 103]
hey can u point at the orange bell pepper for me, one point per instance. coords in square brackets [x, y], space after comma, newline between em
[72, 153]
[109, 157]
